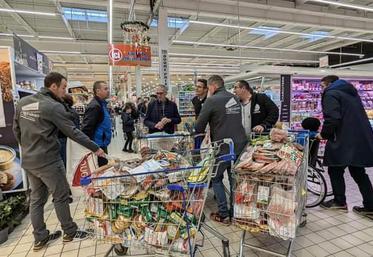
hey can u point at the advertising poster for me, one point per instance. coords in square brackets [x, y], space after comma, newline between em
[12, 177]
[130, 55]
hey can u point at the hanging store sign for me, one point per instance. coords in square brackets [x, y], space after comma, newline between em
[285, 96]
[324, 61]
[164, 69]
[130, 55]
[28, 56]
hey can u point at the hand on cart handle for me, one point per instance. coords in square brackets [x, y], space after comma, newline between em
[100, 153]
[258, 129]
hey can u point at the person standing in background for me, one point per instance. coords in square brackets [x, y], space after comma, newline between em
[143, 106]
[97, 123]
[37, 120]
[222, 111]
[162, 114]
[350, 143]
[259, 112]
[128, 126]
[201, 95]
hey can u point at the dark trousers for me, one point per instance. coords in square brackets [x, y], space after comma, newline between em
[361, 179]
[51, 178]
[219, 189]
[129, 139]
[102, 161]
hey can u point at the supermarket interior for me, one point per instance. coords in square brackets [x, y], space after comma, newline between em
[201, 128]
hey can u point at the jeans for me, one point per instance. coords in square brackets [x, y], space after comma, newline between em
[128, 144]
[361, 179]
[51, 178]
[100, 160]
[219, 189]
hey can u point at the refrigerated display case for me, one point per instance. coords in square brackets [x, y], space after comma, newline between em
[306, 99]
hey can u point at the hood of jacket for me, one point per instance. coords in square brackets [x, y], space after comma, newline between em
[344, 86]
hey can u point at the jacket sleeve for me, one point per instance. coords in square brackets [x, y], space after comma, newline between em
[176, 119]
[147, 121]
[127, 119]
[91, 119]
[16, 128]
[60, 118]
[273, 113]
[204, 117]
[332, 116]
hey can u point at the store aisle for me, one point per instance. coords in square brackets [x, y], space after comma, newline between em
[327, 233]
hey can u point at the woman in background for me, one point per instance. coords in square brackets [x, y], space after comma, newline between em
[128, 119]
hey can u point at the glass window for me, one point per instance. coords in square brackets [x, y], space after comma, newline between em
[76, 14]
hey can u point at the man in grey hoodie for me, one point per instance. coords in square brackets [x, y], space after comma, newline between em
[37, 121]
[222, 111]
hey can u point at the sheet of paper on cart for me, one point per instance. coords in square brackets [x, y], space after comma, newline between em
[110, 184]
[146, 167]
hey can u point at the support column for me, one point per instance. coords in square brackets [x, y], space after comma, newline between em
[110, 41]
[164, 72]
[138, 81]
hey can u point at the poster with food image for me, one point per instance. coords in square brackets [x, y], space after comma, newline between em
[12, 177]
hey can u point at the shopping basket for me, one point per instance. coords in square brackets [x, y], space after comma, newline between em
[155, 208]
[270, 189]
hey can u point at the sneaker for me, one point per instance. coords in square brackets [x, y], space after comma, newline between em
[222, 220]
[332, 205]
[360, 210]
[130, 151]
[38, 245]
[79, 235]
[124, 150]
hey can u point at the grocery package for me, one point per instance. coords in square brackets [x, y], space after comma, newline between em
[154, 204]
[266, 175]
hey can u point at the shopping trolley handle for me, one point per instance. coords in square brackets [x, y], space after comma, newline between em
[85, 181]
[231, 156]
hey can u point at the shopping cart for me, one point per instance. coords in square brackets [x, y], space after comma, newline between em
[270, 191]
[155, 208]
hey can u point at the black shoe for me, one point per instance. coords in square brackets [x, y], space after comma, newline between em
[51, 238]
[130, 151]
[124, 150]
[79, 235]
[332, 205]
[360, 210]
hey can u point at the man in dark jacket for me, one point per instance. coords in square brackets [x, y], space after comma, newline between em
[128, 121]
[97, 122]
[36, 124]
[201, 95]
[350, 142]
[259, 112]
[222, 111]
[162, 114]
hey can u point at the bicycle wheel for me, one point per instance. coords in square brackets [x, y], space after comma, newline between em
[316, 187]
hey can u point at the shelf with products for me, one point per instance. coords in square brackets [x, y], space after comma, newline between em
[185, 103]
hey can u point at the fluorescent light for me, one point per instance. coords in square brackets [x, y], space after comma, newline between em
[60, 52]
[352, 62]
[11, 35]
[341, 4]
[53, 37]
[27, 12]
[241, 58]
[263, 48]
[279, 31]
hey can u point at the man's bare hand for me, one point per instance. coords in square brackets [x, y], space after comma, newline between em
[165, 121]
[159, 125]
[258, 129]
[100, 153]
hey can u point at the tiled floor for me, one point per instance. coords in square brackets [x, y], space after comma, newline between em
[327, 233]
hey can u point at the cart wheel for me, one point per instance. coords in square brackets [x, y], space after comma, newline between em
[120, 250]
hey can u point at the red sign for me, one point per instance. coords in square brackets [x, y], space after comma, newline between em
[129, 55]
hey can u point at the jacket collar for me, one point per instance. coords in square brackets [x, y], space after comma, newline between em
[100, 101]
[45, 91]
[219, 90]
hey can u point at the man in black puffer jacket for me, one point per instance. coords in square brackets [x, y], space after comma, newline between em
[259, 112]
[350, 143]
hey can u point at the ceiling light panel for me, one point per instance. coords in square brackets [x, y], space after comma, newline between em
[27, 12]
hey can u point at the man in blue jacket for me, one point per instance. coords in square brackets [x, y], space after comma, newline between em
[162, 114]
[97, 122]
[350, 143]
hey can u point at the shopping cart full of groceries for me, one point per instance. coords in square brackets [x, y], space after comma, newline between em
[270, 189]
[154, 205]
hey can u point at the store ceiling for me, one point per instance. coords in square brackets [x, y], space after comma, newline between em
[284, 32]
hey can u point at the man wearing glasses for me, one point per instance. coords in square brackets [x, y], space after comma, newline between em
[162, 115]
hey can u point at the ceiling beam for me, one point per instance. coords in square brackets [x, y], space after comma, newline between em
[64, 20]
[316, 17]
[18, 18]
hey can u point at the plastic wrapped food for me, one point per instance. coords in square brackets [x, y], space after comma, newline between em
[245, 192]
[278, 135]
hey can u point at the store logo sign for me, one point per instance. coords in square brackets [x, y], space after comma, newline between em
[115, 55]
